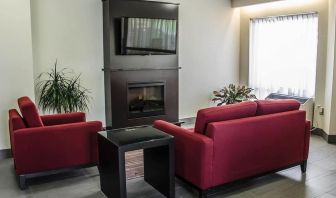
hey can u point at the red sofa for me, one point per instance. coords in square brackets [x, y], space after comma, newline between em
[47, 144]
[240, 141]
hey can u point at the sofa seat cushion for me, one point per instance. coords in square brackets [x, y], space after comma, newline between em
[29, 112]
[276, 106]
[222, 113]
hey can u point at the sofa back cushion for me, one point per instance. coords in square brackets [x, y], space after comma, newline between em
[29, 112]
[276, 106]
[222, 113]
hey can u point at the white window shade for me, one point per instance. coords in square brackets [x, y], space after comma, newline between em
[283, 53]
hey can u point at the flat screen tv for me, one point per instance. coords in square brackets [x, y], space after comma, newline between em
[147, 36]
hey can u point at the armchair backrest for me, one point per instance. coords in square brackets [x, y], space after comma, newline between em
[223, 113]
[29, 112]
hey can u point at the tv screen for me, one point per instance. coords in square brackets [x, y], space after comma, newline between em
[146, 36]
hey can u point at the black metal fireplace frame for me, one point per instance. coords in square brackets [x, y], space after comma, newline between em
[149, 83]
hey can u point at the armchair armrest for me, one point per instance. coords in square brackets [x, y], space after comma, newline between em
[63, 118]
[193, 152]
[53, 147]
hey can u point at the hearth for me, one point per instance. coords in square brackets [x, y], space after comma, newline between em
[145, 99]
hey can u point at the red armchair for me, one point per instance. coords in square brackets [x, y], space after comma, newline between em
[47, 144]
[240, 141]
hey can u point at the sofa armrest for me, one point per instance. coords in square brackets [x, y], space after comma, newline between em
[193, 152]
[53, 147]
[307, 140]
[63, 118]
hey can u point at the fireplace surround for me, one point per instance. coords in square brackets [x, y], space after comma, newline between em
[138, 97]
[138, 88]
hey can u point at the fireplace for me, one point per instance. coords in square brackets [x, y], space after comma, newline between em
[145, 99]
[138, 97]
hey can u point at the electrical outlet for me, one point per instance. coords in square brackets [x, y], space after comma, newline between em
[320, 109]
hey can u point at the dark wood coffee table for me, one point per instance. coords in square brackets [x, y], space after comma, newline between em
[159, 157]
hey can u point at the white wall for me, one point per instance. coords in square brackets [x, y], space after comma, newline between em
[208, 51]
[72, 32]
[209, 46]
[16, 64]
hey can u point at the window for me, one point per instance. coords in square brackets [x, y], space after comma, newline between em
[283, 53]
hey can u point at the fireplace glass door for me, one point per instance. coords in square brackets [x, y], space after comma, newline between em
[146, 99]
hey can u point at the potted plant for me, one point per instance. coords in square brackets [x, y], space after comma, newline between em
[233, 94]
[58, 92]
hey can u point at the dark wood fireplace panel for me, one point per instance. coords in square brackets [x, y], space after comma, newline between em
[121, 70]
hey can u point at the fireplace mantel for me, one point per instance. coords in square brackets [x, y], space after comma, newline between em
[140, 69]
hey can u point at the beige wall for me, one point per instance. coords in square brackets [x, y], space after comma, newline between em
[284, 8]
[72, 32]
[209, 47]
[16, 63]
[209, 51]
[330, 90]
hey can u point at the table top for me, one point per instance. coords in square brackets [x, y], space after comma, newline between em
[123, 137]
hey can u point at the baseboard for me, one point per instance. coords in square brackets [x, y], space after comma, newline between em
[324, 135]
[5, 153]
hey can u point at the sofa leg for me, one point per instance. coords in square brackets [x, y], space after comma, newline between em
[202, 193]
[22, 182]
[304, 166]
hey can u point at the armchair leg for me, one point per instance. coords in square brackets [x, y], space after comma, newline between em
[304, 166]
[202, 193]
[22, 182]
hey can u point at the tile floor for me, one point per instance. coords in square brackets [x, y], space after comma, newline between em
[319, 181]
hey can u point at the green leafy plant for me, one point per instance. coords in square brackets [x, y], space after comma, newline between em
[233, 94]
[59, 92]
